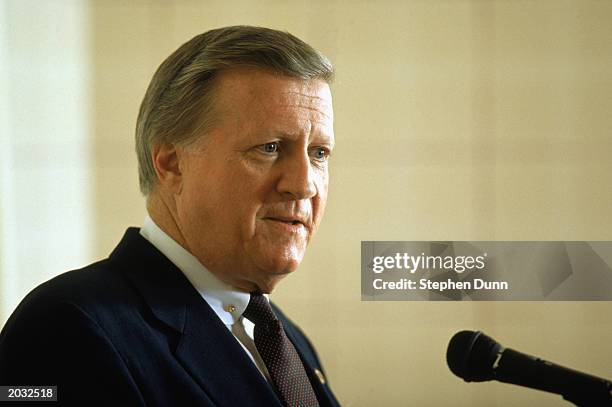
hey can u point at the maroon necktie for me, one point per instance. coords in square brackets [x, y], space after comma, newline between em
[279, 355]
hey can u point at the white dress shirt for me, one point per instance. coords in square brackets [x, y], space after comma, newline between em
[227, 302]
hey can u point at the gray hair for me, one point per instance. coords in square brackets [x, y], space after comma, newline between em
[178, 103]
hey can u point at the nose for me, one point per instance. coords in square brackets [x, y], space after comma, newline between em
[297, 178]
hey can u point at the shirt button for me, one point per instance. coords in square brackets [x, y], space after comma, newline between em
[231, 308]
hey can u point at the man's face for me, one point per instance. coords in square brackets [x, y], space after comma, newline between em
[253, 191]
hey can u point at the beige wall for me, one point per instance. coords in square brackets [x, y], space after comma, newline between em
[455, 120]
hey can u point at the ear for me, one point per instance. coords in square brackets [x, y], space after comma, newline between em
[166, 160]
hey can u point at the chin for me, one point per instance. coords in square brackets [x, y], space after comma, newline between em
[281, 267]
[271, 269]
[267, 286]
[278, 260]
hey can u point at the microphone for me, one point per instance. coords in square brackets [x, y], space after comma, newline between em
[475, 357]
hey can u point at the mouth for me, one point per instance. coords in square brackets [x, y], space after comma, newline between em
[288, 221]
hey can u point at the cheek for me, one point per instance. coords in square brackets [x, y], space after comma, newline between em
[320, 200]
[205, 202]
[247, 221]
[248, 200]
[195, 213]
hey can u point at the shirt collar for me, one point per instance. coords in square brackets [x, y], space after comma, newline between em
[227, 302]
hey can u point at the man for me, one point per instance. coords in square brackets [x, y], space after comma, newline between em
[233, 140]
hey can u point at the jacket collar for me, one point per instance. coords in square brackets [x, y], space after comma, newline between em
[205, 348]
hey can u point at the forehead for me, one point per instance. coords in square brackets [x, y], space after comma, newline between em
[261, 91]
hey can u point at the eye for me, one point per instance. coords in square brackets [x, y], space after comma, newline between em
[270, 148]
[320, 153]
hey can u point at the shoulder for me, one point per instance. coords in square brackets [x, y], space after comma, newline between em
[59, 334]
[101, 290]
[91, 289]
[74, 303]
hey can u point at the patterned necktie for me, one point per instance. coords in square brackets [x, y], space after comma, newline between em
[279, 355]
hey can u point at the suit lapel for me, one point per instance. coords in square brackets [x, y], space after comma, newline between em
[219, 363]
[206, 348]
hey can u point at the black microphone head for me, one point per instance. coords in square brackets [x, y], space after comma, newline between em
[471, 356]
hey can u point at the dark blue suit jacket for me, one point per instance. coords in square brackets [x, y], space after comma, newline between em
[131, 330]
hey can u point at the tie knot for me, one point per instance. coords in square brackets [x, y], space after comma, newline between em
[260, 312]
